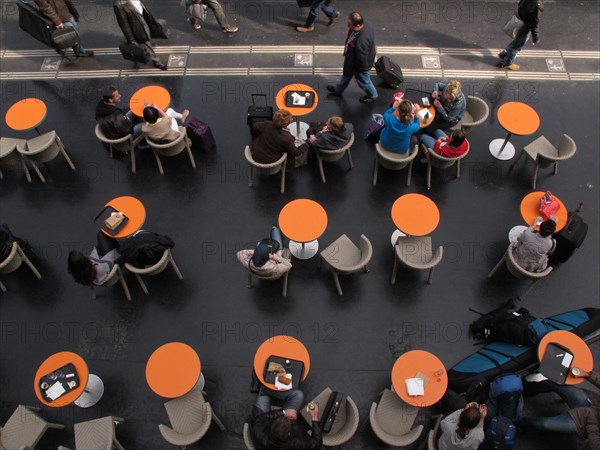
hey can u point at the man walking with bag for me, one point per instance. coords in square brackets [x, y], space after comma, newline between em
[529, 11]
[315, 7]
[197, 12]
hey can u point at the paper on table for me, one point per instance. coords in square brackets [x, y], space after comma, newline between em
[567, 359]
[422, 113]
[281, 386]
[414, 386]
[55, 391]
[298, 99]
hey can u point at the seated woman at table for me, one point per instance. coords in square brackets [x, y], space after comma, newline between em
[266, 260]
[94, 269]
[161, 127]
[332, 135]
[401, 122]
[449, 146]
[274, 140]
[533, 247]
[463, 429]
[450, 104]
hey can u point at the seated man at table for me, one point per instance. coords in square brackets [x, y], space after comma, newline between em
[113, 122]
[448, 146]
[161, 127]
[401, 122]
[533, 247]
[274, 140]
[332, 135]
[450, 104]
[266, 260]
[278, 429]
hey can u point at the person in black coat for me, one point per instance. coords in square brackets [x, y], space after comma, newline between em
[132, 17]
[529, 11]
[113, 122]
[359, 56]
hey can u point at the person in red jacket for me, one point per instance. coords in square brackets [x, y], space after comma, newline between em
[448, 146]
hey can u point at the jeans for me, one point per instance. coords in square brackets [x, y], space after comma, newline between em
[77, 48]
[364, 82]
[277, 236]
[138, 124]
[315, 8]
[218, 10]
[105, 244]
[573, 396]
[563, 423]
[429, 141]
[514, 47]
[291, 399]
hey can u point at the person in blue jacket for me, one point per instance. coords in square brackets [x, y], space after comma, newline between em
[401, 122]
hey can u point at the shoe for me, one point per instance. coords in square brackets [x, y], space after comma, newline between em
[230, 29]
[512, 66]
[195, 25]
[304, 29]
[502, 54]
[161, 66]
[184, 115]
[333, 18]
[366, 99]
[85, 54]
[332, 91]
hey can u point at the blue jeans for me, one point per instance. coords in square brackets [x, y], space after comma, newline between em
[137, 127]
[291, 399]
[573, 396]
[315, 8]
[277, 236]
[364, 82]
[77, 48]
[514, 47]
[563, 423]
[429, 141]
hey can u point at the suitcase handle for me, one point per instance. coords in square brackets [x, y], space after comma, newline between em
[264, 96]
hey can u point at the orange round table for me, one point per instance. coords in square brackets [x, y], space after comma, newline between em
[516, 118]
[26, 114]
[285, 347]
[530, 209]
[414, 215]
[89, 391]
[135, 212]
[297, 130]
[173, 370]
[303, 221]
[582, 355]
[151, 94]
[408, 365]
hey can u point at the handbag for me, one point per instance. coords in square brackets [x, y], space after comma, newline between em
[548, 205]
[513, 26]
[64, 38]
[375, 127]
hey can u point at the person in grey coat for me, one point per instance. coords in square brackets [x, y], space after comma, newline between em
[132, 16]
[332, 135]
[533, 247]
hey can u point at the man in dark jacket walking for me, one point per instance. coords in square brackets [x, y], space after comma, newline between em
[131, 17]
[63, 14]
[529, 11]
[359, 56]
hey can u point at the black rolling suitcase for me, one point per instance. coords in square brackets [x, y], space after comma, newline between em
[38, 26]
[389, 71]
[138, 53]
[570, 238]
[258, 113]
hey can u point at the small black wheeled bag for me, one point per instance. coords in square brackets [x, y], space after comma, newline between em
[258, 113]
[138, 53]
[64, 38]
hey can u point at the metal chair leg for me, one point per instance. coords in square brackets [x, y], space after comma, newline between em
[285, 285]
[350, 159]
[142, 284]
[320, 163]
[249, 285]
[430, 275]
[395, 269]
[497, 266]
[158, 163]
[375, 170]
[175, 268]
[409, 174]
[336, 280]
[123, 285]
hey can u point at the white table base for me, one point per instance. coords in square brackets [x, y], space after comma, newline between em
[395, 235]
[298, 130]
[507, 153]
[92, 393]
[514, 233]
[304, 251]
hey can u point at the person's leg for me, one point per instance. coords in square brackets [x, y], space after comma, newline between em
[364, 82]
[217, 9]
[315, 8]
[263, 400]
[293, 399]
[573, 396]
[427, 141]
[329, 9]
[562, 423]
[342, 84]
[77, 48]
[513, 48]
[154, 57]
[277, 236]
[439, 134]
[104, 244]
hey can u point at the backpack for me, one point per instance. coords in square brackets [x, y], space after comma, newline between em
[506, 397]
[500, 434]
[478, 391]
[505, 324]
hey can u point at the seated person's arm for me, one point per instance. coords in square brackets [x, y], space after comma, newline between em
[594, 378]
[261, 426]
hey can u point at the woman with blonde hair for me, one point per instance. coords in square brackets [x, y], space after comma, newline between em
[400, 123]
[450, 104]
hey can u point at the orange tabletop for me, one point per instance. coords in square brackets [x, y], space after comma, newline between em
[582, 355]
[303, 220]
[152, 94]
[284, 347]
[26, 114]
[408, 365]
[415, 214]
[55, 362]
[134, 211]
[518, 118]
[530, 209]
[173, 370]
[295, 110]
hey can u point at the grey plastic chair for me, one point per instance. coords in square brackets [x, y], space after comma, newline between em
[265, 169]
[248, 437]
[155, 269]
[346, 421]
[442, 162]
[10, 156]
[126, 144]
[477, 113]
[416, 252]
[432, 437]
[286, 254]
[172, 148]
[392, 420]
[190, 417]
[344, 257]
[13, 261]
[98, 434]
[517, 271]
[544, 154]
[394, 161]
[24, 429]
[42, 149]
[114, 276]
[334, 155]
